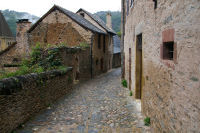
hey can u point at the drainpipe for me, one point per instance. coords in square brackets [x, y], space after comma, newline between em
[91, 53]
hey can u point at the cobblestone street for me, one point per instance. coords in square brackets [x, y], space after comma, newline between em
[100, 105]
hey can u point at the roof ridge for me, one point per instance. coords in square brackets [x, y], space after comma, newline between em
[75, 17]
[98, 20]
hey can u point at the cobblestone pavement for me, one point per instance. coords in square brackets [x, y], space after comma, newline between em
[100, 105]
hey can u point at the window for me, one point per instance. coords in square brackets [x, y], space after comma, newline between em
[155, 4]
[82, 14]
[104, 43]
[127, 2]
[97, 61]
[168, 50]
[131, 3]
[99, 41]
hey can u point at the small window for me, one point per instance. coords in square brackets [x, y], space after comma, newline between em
[127, 2]
[155, 4]
[168, 50]
[97, 61]
[99, 41]
[131, 3]
[82, 14]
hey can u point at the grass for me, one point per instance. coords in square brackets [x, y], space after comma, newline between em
[124, 83]
[147, 121]
[131, 93]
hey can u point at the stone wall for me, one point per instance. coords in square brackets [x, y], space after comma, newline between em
[5, 42]
[57, 28]
[116, 60]
[23, 96]
[170, 88]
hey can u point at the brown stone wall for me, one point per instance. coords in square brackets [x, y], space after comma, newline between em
[22, 38]
[24, 96]
[102, 61]
[170, 92]
[5, 42]
[57, 28]
[116, 60]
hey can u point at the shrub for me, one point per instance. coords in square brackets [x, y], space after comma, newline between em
[131, 93]
[124, 83]
[147, 121]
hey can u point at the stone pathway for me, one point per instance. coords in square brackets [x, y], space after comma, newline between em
[100, 105]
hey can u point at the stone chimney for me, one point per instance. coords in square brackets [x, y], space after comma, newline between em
[109, 20]
[23, 25]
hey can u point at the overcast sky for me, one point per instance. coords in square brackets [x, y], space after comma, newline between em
[40, 7]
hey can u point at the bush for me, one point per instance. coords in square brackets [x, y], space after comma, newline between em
[37, 63]
[124, 83]
[147, 121]
[131, 93]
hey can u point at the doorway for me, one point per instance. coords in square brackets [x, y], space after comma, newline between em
[138, 86]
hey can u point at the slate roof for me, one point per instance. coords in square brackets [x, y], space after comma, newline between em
[98, 20]
[116, 44]
[78, 19]
[4, 28]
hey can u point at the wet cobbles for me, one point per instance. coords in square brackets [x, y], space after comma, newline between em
[100, 105]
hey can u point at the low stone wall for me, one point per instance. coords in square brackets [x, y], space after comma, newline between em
[116, 60]
[23, 96]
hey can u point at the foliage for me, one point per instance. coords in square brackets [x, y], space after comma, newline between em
[38, 62]
[84, 45]
[12, 16]
[194, 79]
[131, 93]
[147, 121]
[119, 34]
[124, 83]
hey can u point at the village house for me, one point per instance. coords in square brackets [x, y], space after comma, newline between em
[160, 44]
[6, 37]
[62, 27]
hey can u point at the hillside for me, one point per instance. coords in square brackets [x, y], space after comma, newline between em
[116, 19]
[12, 17]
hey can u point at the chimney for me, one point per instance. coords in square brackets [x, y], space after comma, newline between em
[23, 25]
[109, 20]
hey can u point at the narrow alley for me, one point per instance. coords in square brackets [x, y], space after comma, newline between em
[99, 105]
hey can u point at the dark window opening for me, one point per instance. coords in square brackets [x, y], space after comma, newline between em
[127, 2]
[155, 4]
[131, 3]
[168, 50]
[139, 41]
[82, 14]
[99, 41]
[97, 62]
[102, 64]
[104, 43]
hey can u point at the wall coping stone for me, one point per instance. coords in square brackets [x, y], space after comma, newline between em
[14, 84]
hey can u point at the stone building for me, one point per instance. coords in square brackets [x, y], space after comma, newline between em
[60, 26]
[161, 46]
[6, 37]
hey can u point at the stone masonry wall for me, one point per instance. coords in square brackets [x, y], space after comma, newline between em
[23, 96]
[57, 28]
[171, 89]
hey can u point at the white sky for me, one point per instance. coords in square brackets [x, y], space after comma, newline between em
[40, 7]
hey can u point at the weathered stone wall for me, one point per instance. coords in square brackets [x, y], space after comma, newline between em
[23, 96]
[5, 42]
[22, 38]
[171, 89]
[102, 61]
[116, 60]
[79, 59]
[57, 28]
